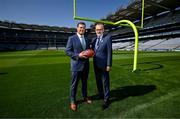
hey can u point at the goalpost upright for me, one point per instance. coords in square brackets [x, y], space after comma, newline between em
[120, 23]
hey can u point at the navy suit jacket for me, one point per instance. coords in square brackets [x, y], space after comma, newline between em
[103, 54]
[73, 48]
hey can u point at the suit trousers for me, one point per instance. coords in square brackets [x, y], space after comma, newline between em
[102, 82]
[76, 76]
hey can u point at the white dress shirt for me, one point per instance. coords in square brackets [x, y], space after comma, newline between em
[82, 40]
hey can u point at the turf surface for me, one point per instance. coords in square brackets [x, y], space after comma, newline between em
[35, 84]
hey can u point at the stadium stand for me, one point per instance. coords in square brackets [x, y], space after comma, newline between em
[161, 30]
[168, 45]
[121, 45]
[148, 44]
[15, 36]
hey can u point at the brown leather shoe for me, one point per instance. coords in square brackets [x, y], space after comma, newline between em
[73, 107]
[87, 100]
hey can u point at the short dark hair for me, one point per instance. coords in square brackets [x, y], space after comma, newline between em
[81, 23]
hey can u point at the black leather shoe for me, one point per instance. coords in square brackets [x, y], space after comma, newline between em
[105, 105]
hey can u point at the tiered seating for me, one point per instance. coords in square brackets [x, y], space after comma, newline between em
[169, 45]
[42, 47]
[31, 47]
[154, 35]
[9, 46]
[121, 45]
[150, 43]
[20, 46]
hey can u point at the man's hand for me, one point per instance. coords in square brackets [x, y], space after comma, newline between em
[81, 55]
[108, 68]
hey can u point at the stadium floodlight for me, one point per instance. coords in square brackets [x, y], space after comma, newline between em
[128, 23]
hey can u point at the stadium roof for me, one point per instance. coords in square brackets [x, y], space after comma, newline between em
[152, 8]
[131, 12]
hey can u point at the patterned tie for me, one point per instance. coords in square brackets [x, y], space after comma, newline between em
[97, 44]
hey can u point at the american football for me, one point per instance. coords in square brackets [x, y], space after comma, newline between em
[89, 53]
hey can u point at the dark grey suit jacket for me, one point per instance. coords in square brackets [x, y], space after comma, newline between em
[73, 48]
[103, 54]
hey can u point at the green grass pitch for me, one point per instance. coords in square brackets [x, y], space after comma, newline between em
[35, 84]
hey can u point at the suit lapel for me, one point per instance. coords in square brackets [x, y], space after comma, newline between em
[93, 43]
[86, 43]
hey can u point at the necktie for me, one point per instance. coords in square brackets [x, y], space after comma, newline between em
[97, 44]
[83, 43]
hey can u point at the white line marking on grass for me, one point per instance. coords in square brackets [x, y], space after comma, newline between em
[153, 102]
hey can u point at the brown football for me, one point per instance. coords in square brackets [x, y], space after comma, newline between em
[89, 53]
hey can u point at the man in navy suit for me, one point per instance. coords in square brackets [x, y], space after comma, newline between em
[79, 63]
[102, 45]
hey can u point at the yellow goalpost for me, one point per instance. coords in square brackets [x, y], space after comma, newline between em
[128, 23]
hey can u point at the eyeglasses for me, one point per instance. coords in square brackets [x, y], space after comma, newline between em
[99, 29]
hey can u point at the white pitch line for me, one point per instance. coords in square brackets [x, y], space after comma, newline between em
[155, 101]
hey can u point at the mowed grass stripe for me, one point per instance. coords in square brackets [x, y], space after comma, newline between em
[38, 86]
[151, 103]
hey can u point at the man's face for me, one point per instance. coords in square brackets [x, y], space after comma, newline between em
[99, 29]
[81, 29]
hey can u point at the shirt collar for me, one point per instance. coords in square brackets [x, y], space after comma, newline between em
[80, 36]
[101, 36]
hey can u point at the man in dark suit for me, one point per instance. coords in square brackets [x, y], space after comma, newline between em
[79, 63]
[102, 45]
